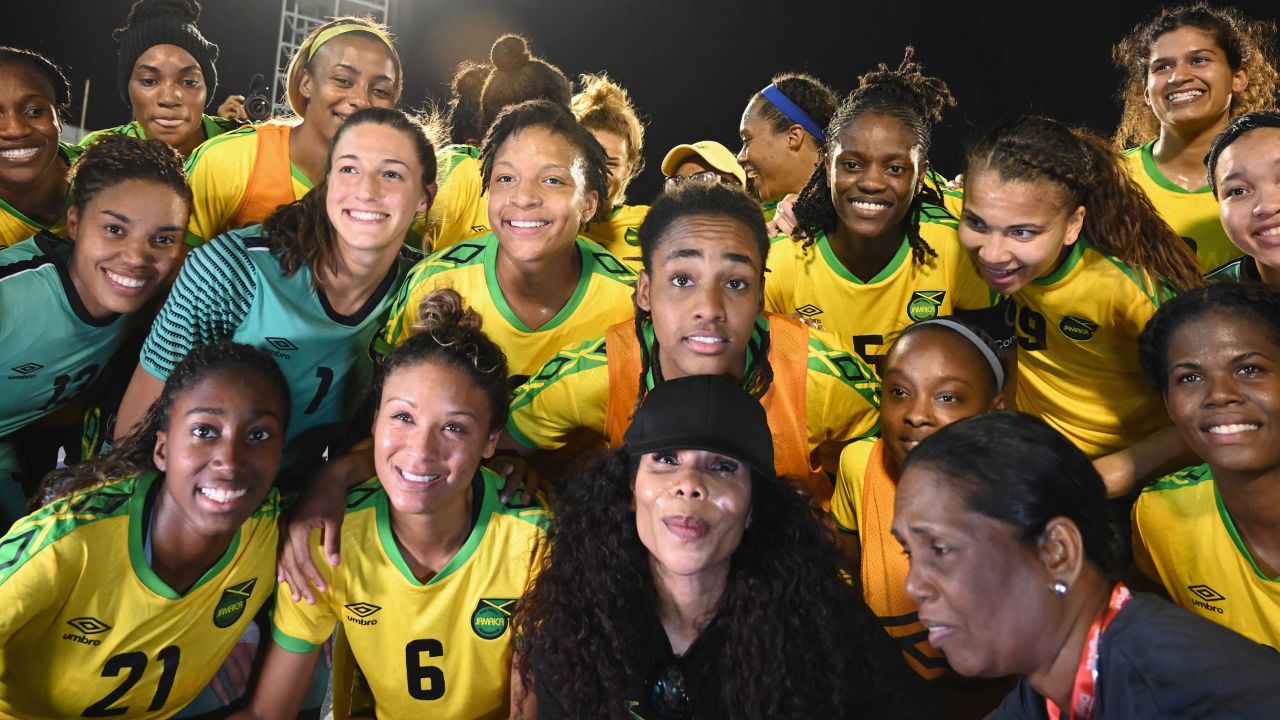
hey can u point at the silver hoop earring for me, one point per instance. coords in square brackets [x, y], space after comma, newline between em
[1059, 589]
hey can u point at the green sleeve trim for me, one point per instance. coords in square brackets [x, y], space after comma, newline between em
[836, 522]
[1068, 263]
[61, 518]
[1186, 477]
[290, 643]
[514, 431]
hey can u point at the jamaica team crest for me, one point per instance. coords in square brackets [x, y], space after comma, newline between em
[232, 603]
[492, 616]
[924, 304]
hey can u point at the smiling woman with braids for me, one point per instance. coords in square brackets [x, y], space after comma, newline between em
[711, 589]
[1189, 70]
[699, 312]
[879, 249]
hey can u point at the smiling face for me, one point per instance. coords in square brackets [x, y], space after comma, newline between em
[620, 169]
[692, 507]
[1248, 182]
[219, 452]
[168, 94]
[1189, 79]
[1224, 393]
[981, 592]
[875, 169]
[1018, 231]
[29, 128]
[704, 291]
[348, 73]
[127, 242]
[430, 434]
[375, 187]
[765, 155]
[538, 196]
[933, 377]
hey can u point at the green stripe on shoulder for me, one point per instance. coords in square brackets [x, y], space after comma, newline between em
[606, 264]
[848, 368]
[59, 519]
[470, 252]
[1153, 286]
[571, 361]
[1186, 477]
[536, 513]
[215, 141]
[937, 215]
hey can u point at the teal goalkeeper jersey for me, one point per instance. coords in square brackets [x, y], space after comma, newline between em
[234, 287]
[51, 348]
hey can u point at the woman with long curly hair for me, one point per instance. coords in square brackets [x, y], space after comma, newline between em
[1188, 71]
[685, 580]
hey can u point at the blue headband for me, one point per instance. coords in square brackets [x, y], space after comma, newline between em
[794, 112]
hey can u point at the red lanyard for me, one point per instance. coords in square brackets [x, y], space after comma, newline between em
[1083, 690]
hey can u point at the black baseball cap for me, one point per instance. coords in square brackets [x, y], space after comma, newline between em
[703, 412]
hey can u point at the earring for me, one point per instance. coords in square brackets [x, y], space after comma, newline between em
[1059, 588]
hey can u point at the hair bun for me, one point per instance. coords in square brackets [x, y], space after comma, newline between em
[186, 10]
[510, 53]
[468, 79]
[444, 316]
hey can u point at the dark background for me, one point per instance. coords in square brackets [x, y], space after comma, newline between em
[690, 65]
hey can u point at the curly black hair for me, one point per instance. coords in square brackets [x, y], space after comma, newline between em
[559, 120]
[907, 94]
[465, 127]
[113, 159]
[1255, 304]
[787, 615]
[45, 68]
[133, 455]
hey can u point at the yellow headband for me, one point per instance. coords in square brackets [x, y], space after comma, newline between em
[337, 30]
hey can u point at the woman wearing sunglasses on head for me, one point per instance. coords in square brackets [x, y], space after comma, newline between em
[694, 551]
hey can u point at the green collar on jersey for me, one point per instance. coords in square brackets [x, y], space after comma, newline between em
[829, 254]
[758, 333]
[68, 154]
[500, 301]
[484, 495]
[143, 486]
[1235, 536]
[1068, 263]
[1153, 172]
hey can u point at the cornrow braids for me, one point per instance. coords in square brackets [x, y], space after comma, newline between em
[134, 455]
[813, 96]
[113, 159]
[448, 332]
[700, 199]
[45, 68]
[605, 105]
[916, 100]
[1119, 217]
[1248, 44]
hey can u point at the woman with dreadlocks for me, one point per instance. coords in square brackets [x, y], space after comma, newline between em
[699, 312]
[1189, 71]
[879, 250]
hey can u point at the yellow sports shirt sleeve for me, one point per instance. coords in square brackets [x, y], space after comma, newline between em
[460, 199]
[842, 393]
[846, 501]
[779, 281]
[299, 626]
[218, 173]
[570, 392]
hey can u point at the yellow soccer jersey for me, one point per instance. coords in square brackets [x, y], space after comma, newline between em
[813, 283]
[461, 210]
[450, 637]
[219, 171]
[89, 630]
[846, 501]
[620, 233]
[1183, 537]
[1078, 350]
[16, 227]
[1193, 214]
[210, 125]
[602, 298]
[571, 393]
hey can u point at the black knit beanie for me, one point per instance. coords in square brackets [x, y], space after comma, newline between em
[164, 22]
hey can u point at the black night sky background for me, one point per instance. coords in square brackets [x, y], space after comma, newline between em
[690, 65]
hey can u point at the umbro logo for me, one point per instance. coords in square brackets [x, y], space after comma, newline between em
[89, 625]
[360, 613]
[86, 626]
[280, 343]
[26, 368]
[1205, 595]
[809, 310]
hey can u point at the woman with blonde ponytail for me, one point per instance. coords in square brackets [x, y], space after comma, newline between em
[604, 108]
